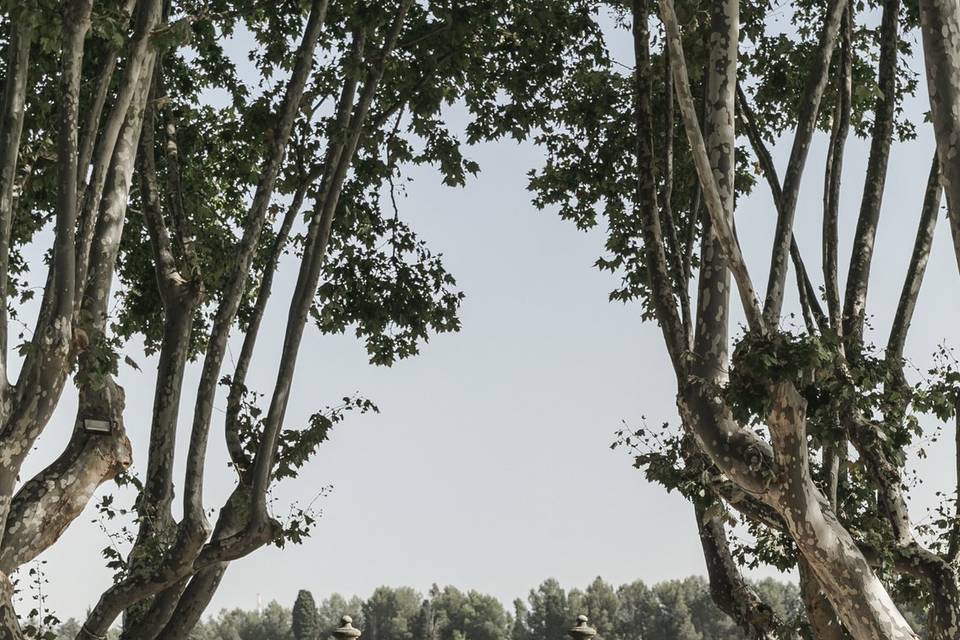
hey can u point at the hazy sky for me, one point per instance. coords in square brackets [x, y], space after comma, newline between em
[490, 465]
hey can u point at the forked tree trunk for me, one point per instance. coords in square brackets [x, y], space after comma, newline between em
[777, 472]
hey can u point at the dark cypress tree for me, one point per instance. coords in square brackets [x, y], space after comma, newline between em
[306, 618]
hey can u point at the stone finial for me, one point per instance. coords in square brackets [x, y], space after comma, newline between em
[346, 629]
[582, 631]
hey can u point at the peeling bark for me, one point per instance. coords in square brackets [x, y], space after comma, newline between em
[730, 592]
[859, 598]
[858, 276]
[940, 26]
[816, 83]
[49, 502]
[834, 171]
[645, 203]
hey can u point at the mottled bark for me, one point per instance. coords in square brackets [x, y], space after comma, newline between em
[937, 572]
[9, 624]
[44, 369]
[917, 267]
[11, 127]
[859, 598]
[940, 26]
[720, 223]
[730, 592]
[710, 358]
[47, 504]
[820, 614]
[645, 202]
[139, 64]
[834, 171]
[806, 124]
[45, 366]
[858, 276]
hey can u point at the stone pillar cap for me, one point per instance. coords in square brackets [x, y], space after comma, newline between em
[346, 629]
[582, 631]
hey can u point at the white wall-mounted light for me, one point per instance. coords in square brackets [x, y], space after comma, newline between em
[97, 425]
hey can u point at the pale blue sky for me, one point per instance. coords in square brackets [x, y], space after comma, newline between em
[489, 466]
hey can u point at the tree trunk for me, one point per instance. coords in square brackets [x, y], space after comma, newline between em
[730, 592]
[820, 614]
[859, 598]
[940, 26]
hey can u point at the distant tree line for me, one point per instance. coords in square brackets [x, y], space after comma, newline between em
[669, 610]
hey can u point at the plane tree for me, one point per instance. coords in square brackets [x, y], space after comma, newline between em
[797, 428]
[154, 184]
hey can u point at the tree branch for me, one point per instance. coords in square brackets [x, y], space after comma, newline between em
[806, 124]
[48, 503]
[148, 16]
[834, 170]
[645, 204]
[731, 593]
[858, 275]
[11, 127]
[808, 294]
[715, 209]
[252, 227]
[308, 278]
[918, 265]
[940, 26]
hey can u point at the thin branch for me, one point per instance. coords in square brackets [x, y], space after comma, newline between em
[861, 257]
[252, 227]
[681, 284]
[833, 173]
[718, 219]
[317, 238]
[917, 267]
[812, 310]
[645, 205]
[11, 127]
[806, 124]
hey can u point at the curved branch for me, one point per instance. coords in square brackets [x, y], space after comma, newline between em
[918, 265]
[49, 502]
[730, 592]
[252, 228]
[645, 204]
[715, 209]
